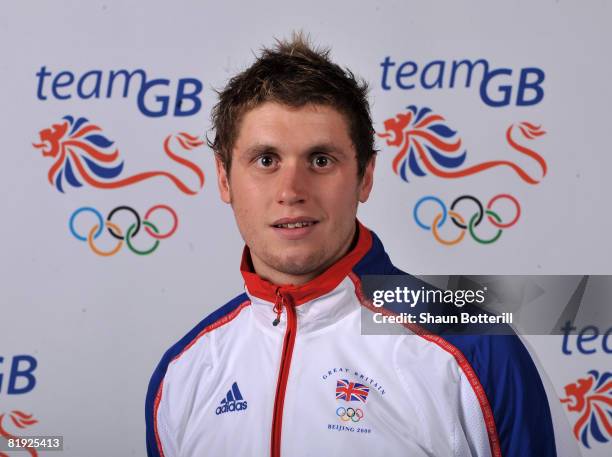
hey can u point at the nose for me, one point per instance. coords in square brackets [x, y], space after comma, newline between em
[292, 184]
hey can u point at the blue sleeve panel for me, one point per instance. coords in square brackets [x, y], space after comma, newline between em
[506, 371]
[515, 392]
[160, 371]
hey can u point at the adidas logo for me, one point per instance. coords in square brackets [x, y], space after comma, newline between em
[233, 401]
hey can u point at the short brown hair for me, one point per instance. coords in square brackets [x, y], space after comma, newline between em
[295, 74]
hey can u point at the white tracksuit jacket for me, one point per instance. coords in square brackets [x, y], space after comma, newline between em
[312, 385]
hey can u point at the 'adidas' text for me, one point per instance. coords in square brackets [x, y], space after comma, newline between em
[233, 401]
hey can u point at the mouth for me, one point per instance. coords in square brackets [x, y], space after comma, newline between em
[296, 225]
[292, 223]
[294, 228]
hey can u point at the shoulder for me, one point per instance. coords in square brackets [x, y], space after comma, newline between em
[216, 319]
[181, 350]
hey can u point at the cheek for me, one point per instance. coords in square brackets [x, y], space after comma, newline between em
[249, 183]
[248, 204]
[343, 196]
[245, 220]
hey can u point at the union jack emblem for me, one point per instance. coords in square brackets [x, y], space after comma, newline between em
[351, 391]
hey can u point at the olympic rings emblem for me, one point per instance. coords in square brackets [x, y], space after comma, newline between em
[115, 231]
[349, 414]
[466, 223]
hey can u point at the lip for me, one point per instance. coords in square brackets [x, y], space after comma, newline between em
[294, 233]
[293, 220]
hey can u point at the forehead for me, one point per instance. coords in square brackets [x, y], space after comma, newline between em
[283, 125]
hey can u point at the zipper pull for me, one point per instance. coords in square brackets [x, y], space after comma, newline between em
[278, 307]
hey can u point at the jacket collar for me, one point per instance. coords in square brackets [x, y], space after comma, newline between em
[321, 285]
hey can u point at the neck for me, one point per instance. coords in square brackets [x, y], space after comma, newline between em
[281, 278]
[325, 282]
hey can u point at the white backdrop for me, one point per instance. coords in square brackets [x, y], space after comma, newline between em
[97, 326]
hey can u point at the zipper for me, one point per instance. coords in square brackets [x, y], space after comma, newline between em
[283, 374]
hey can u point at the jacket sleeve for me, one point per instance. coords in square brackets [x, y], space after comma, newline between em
[522, 421]
[159, 436]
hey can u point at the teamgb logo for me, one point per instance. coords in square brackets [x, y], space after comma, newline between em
[115, 231]
[233, 401]
[469, 223]
[154, 98]
[427, 145]
[591, 397]
[440, 74]
[84, 156]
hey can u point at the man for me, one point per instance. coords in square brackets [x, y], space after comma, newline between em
[282, 369]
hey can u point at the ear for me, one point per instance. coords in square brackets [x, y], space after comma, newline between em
[365, 186]
[223, 181]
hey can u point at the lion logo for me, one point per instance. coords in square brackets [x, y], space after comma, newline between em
[22, 421]
[82, 155]
[591, 397]
[427, 144]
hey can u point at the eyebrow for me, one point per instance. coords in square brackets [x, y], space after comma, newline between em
[260, 149]
[326, 148]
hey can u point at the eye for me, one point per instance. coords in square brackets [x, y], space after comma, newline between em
[265, 161]
[321, 161]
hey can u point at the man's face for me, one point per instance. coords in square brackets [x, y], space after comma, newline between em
[294, 189]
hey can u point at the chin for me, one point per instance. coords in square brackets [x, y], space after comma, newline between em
[298, 263]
